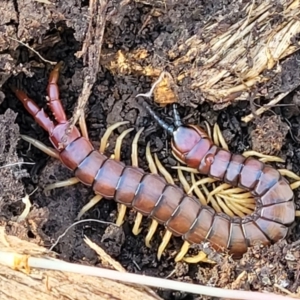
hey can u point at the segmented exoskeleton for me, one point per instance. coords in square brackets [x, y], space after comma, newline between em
[154, 197]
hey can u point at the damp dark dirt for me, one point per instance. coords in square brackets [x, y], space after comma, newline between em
[56, 31]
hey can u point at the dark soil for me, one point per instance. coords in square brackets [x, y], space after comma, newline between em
[57, 32]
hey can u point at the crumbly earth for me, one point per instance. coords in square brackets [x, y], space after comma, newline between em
[56, 31]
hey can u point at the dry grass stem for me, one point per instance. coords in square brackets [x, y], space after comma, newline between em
[229, 64]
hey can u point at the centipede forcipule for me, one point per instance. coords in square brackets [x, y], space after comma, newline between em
[151, 195]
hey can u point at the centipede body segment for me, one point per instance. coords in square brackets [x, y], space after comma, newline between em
[152, 196]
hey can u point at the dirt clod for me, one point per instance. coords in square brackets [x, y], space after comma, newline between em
[269, 135]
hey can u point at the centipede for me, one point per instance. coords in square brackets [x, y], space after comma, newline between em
[165, 203]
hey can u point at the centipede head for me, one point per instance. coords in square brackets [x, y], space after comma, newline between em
[184, 137]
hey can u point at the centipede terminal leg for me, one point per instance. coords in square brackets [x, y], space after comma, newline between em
[54, 101]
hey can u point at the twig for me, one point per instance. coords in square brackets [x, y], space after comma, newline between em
[103, 255]
[91, 52]
[76, 223]
[160, 78]
[266, 107]
[116, 265]
[26, 262]
[34, 51]
[282, 289]
[44, 1]
[17, 163]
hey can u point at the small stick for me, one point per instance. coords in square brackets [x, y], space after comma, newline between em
[266, 107]
[76, 223]
[19, 261]
[91, 52]
[34, 51]
[17, 163]
[160, 78]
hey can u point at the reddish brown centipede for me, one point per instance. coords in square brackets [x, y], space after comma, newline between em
[166, 203]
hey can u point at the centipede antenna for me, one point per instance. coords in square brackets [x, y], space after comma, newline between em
[177, 119]
[169, 128]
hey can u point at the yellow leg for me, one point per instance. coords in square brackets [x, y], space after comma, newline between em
[186, 186]
[151, 231]
[134, 152]
[202, 182]
[164, 243]
[295, 185]
[121, 214]
[150, 160]
[220, 188]
[153, 169]
[208, 130]
[37, 144]
[218, 137]
[64, 183]
[134, 161]
[183, 251]
[197, 191]
[153, 166]
[163, 171]
[290, 174]
[213, 200]
[137, 223]
[200, 257]
[119, 141]
[186, 169]
[82, 125]
[263, 157]
[89, 205]
[108, 132]
[117, 151]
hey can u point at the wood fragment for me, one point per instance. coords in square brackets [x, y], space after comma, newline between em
[53, 285]
[91, 52]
